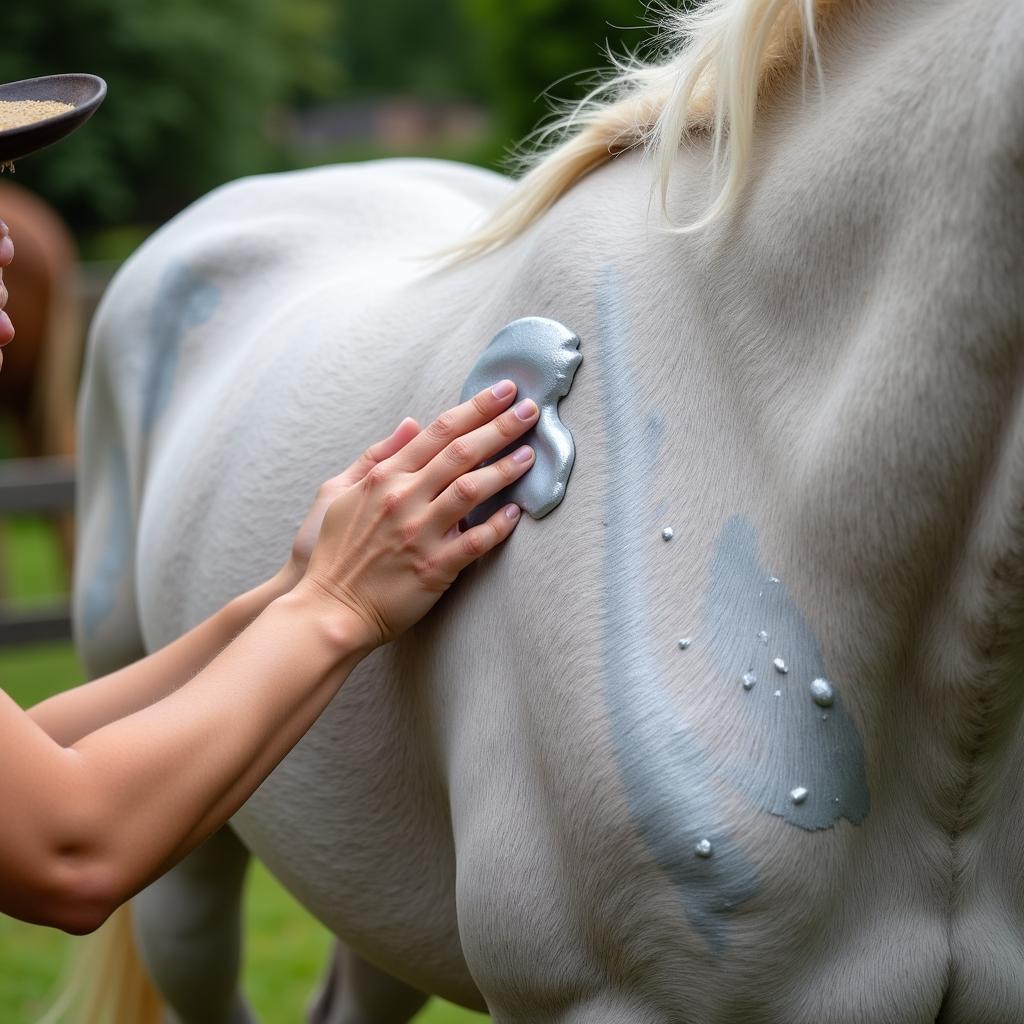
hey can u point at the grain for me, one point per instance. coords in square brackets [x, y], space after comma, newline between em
[18, 113]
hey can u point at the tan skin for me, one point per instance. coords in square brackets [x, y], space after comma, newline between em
[107, 786]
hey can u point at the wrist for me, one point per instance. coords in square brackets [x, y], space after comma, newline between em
[283, 580]
[337, 628]
[244, 608]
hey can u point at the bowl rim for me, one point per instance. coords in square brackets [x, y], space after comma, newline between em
[51, 129]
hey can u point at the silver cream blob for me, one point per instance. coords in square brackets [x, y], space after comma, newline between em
[749, 679]
[822, 693]
[703, 848]
[668, 533]
[542, 357]
[685, 642]
[798, 795]
[780, 666]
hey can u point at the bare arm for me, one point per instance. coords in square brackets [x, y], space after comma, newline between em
[128, 800]
[90, 823]
[68, 716]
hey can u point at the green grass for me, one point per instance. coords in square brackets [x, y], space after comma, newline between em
[286, 949]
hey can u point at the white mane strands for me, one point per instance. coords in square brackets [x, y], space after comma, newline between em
[726, 54]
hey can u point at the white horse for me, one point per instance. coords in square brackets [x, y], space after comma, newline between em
[764, 766]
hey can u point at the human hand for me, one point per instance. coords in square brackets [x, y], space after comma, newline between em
[390, 545]
[6, 255]
[306, 536]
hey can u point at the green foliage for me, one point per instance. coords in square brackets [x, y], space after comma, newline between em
[523, 56]
[190, 87]
[196, 88]
[403, 46]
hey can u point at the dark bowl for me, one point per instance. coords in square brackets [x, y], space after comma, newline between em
[84, 92]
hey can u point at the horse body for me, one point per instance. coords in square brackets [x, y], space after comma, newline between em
[819, 394]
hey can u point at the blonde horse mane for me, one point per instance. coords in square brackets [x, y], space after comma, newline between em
[105, 982]
[723, 57]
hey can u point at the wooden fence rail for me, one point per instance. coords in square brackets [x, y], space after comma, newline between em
[29, 486]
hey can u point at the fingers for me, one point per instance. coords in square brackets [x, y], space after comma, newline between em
[453, 423]
[6, 245]
[469, 490]
[6, 255]
[467, 547]
[402, 435]
[465, 453]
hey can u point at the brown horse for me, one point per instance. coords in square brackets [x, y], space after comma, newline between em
[40, 378]
[41, 367]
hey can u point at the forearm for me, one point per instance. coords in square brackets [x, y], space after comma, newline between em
[68, 716]
[148, 788]
[174, 772]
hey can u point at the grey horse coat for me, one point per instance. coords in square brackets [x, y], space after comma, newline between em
[537, 801]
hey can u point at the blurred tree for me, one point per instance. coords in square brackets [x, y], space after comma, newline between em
[521, 57]
[194, 84]
[191, 84]
[405, 46]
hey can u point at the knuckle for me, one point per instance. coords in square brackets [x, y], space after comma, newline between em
[391, 502]
[481, 404]
[507, 468]
[510, 425]
[474, 543]
[376, 476]
[444, 426]
[426, 568]
[459, 452]
[465, 489]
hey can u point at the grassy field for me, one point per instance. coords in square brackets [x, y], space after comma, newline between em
[285, 948]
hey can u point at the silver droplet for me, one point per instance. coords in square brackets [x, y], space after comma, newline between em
[763, 636]
[703, 848]
[668, 533]
[824, 718]
[822, 693]
[748, 680]
[685, 642]
[777, 693]
[835, 799]
[780, 666]
[798, 795]
[773, 579]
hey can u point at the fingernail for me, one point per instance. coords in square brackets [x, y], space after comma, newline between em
[522, 454]
[512, 511]
[503, 389]
[526, 409]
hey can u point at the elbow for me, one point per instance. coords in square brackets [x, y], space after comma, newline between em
[82, 920]
[77, 898]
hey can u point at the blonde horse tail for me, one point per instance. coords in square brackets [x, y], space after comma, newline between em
[724, 57]
[106, 982]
